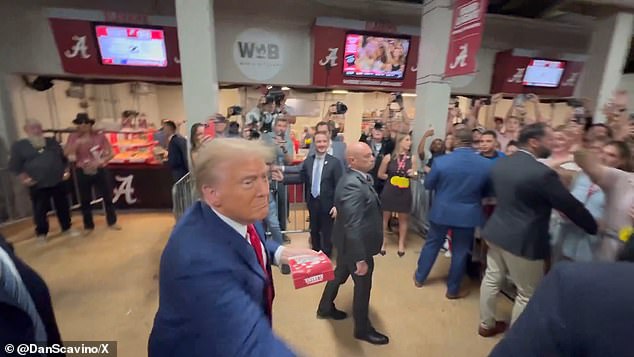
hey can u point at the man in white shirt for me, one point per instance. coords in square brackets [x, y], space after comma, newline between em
[216, 289]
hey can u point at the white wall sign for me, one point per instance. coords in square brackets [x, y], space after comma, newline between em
[259, 54]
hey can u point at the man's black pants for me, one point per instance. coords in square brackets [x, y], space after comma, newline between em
[320, 226]
[100, 182]
[41, 200]
[361, 298]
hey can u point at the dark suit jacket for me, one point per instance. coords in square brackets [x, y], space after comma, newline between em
[579, 309]
[177, 156]
[211, 292]
[329, 177]
[460, 181]
[15, 324]
[526, 192]
[387, 147]
[338, 151]
[358, 229]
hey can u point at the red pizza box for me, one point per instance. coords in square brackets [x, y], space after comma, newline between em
[308, 270]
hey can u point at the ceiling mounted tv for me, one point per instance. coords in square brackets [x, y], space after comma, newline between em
[131, 46]
[375, 56]
[544, 73]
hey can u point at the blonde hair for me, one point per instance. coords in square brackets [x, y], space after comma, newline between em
[399, 141]
[212, 154]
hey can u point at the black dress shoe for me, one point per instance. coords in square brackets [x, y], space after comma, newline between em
[334, 314]
[400, 254]
[374, 338]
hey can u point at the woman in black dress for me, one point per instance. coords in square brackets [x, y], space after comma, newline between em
[397, 169]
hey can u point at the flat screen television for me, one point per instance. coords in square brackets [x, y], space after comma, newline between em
[544, 73]
[375, 56]
[131, 46]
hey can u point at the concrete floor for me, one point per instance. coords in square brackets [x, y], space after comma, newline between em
[104, 287]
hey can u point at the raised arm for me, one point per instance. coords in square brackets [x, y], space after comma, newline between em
[589, 163]
[562, 200]
[472, 117]
[423, 143]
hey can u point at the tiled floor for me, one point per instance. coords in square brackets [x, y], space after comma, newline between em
[104, 287]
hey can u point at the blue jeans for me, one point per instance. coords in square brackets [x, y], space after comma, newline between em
[273, 222]
[461, 245]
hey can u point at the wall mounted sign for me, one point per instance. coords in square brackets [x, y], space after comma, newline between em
[465, 37]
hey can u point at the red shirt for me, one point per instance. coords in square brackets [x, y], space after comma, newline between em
[89, 150]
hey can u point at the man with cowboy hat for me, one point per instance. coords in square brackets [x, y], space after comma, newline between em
[91, 152]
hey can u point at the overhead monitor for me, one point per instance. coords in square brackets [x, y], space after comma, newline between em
[544, 73]
[131, 46]
[375, 56]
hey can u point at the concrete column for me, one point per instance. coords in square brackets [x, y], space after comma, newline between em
[602, 71]
[432, 92]
[354, 101]
[197, 44]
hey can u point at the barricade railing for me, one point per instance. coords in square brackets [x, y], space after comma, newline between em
[184, 194]
[297, 218]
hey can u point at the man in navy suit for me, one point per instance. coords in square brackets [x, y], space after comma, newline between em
[460, 181]
[335, 148]
[579, 309]
[320, 172]
[176, 151]
[215, 284]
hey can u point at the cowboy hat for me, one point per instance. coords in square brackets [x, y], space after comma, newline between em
[83, 118]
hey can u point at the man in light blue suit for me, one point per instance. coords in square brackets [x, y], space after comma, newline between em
[460, 181]
[215, 283]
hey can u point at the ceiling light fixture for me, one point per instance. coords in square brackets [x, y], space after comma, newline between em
[339, 91]
[409, 94]
[286, 88]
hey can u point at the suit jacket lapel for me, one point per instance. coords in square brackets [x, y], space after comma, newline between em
[310, 161]
[233, 238]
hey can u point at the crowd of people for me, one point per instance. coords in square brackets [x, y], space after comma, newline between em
[536, 195]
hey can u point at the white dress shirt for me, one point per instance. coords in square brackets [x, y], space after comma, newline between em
[242, 230]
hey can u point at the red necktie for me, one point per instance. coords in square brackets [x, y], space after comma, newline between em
[268, 288]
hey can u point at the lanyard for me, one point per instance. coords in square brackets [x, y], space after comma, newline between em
[401, 163]
[591, 191]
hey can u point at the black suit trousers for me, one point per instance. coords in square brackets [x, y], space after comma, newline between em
[361, 298]
[41, 199]
[320, 226]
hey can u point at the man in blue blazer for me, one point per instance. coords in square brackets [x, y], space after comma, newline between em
[215, 286]
[460, 181]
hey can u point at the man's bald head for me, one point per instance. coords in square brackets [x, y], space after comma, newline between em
[360, 157]
[464, 137]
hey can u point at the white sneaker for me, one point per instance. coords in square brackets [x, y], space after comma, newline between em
[445, 245]
[41, 238]
[73, 233]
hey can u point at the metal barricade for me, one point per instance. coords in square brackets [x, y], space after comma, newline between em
[184, 194]
[297, 213]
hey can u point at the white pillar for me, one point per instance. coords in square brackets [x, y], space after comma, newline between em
[197, 44]
[602, 71]
[432, 92]
[354, 116]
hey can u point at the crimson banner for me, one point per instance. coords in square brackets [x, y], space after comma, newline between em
[511, 75]
[465, 37]
[77, 47]
[392, 64]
